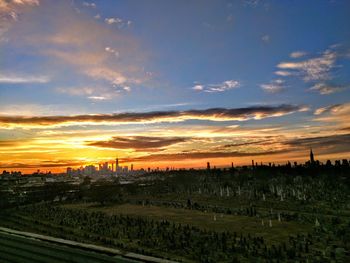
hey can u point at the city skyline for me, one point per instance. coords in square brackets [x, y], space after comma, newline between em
[172, 82]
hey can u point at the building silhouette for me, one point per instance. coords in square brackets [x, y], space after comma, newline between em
[312, 160]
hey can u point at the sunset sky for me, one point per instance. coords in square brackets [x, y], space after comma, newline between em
[172, 83]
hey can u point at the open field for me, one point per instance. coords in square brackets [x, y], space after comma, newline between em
[217, 222]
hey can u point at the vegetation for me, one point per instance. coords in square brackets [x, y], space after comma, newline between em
[259, 214]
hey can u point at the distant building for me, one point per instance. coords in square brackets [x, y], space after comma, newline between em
[312, 160]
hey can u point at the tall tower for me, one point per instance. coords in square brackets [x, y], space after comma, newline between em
[208, 165]
[116, 164]
[312, 160]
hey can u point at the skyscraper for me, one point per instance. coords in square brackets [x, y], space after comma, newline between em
[312, 160]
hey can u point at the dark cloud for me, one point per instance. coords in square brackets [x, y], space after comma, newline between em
[198, 155]
[11, 143]
[321, 141]
[248, 143]
[138, 142]
[326, 144]
[214, 114]
[43, 164]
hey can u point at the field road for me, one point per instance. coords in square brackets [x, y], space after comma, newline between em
[24, 247]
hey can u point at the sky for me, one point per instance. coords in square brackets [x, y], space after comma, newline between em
[163, 83]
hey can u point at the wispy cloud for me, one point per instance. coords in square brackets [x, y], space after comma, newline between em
[297, 54]
[113, 20]
[118, 21]
[87, 4]
[326, 89]
[10, 12]
[251, 3]
[97, 98]
[139, 143]
[328, 109]
[96, 92]
[313, 69]
[283, 73]
[214, 114]
[275, 86]
[318, 70]
[265, 38]
[113, 51]
[80, 45]
[221, 87]
[19, 79]
[334, 114]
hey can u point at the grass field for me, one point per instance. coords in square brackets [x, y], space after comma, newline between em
[233, 223]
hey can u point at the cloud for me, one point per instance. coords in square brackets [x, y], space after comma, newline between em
[198, 155]
[113, 20]
[113, 51]
[275, 86]
[283, 73]
[318, 69]
[221, 87]
[332, 144]
[251, 3]
[98, 98]
[213, 114]
[265, 38]
[106, 73]
[329, 109]
[313, 69]
[139, 143]
[260, 142]
[95, 92]
[118, 21]
[87, 4]
[17, 79]
[10, 12]
[12, 143]
[336, 114]
[79, 47]
[297, 54]
[326, 89]
[41, 164]
[198, 87]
